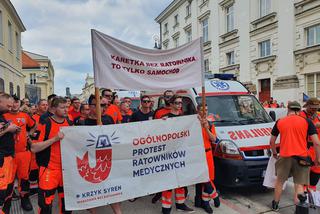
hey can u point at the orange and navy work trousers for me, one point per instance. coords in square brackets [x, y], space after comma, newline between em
[6, 183]
[21, 169]
[167, 195]
[206, 191]
[50, 181]
[34, 172]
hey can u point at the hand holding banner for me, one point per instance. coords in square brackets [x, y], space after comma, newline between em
[108, 164]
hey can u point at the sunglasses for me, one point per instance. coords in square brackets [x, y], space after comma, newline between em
[167, 97]
[107, 95]
[177, 103]
[146, 101]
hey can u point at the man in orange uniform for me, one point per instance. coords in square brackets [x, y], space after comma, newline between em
[294, 131]
[75, 108]
[7, 132]
[22, 158]
[48, 156]
[84, 113]
[165, 109]
[207, 191]
[34, 171]
[180, 196]
[111, 110]
[129, 102]
[312, 105]
[157, 115]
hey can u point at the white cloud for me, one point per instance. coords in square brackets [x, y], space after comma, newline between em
[60, 29]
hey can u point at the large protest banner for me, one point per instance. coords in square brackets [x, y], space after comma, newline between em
[108, 164]
[119, 65]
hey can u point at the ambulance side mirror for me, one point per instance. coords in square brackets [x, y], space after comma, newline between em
[272, 115]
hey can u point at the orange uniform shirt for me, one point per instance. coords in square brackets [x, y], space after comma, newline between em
[293, 131]
[55, 152]
[130, 112]
[74, 114]
[23, 120]
[274, 105]
[114, 112]
[36, 118]
[315, 119]
[208, 150]
[161, 112]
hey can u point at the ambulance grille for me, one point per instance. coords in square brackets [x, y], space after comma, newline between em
[254, 153]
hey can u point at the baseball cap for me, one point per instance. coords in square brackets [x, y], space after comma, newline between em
[294, 105]
[312, 102]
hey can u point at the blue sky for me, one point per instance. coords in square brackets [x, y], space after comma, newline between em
[60, 29]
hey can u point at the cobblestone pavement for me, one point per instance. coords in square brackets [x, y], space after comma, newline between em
[233, 201]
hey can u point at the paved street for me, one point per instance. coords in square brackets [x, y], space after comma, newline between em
[233, 201]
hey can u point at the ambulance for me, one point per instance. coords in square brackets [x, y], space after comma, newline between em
[243, 128]
[134, 95]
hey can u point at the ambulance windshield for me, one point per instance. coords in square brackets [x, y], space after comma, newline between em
[235, 110]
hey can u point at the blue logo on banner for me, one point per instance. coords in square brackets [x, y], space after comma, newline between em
[220, 85]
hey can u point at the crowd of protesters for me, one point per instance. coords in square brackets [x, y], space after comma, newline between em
[272, 103]
[30, 146]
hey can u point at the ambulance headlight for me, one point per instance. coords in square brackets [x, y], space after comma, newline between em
[228, 147]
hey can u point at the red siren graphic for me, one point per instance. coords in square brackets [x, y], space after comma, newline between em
[103, 158]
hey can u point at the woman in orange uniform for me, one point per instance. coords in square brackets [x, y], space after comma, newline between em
[207, 191]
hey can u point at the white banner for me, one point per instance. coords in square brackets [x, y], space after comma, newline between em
[108, 164]
[119, 65]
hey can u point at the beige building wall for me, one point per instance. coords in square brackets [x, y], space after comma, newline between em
[307, 56]
[290, 68]
[44, 74]
[88, 88]
[11, 27]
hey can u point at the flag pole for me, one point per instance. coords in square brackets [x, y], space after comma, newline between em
[96, 89]
[203, 89]
[98, 106]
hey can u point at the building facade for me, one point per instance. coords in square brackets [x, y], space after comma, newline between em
[39, 74]
[88, 88]
[11, 27]
[272, 46]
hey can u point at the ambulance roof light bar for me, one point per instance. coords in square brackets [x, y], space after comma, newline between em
[220, 76]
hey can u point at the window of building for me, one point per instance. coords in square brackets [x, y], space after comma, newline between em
[10, 36]
[189, 35]
[18, 91]
[1, 85]
[188, 10]
[230, 58]
[32, 79]
[18, 49]
[1, 28]
[165, 28]
[165, 46]
[230, 18]
[206, 65]
[264, 7]
[176, 42]
[313, 35]
[11, 88]
[205, 31]
[265, 48]
[313, 85]
[176, 20]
